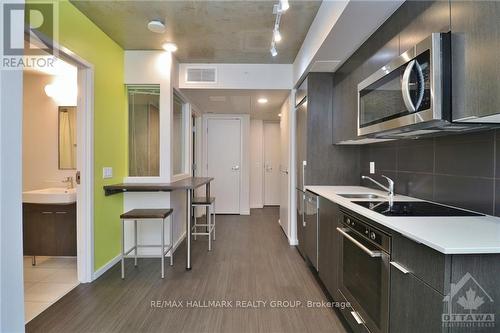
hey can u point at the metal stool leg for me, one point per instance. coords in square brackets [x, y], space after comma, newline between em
[163, 248]
[193, 211]
[33, 261]
[209, 226]
[135, 242]
[123, 249]
[214, 218]
[171, 241]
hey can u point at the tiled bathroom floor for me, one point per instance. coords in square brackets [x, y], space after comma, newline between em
[45, 283]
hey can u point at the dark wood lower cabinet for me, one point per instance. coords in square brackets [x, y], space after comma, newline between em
[49, 230]
[414, 306]
[328, 249]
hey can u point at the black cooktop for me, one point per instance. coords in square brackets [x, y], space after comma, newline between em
[413, 208]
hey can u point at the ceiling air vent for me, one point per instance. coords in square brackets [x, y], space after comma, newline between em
[201, 75]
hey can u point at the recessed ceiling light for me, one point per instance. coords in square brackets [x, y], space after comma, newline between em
[170, 47]
[262, 100]
[156, 26]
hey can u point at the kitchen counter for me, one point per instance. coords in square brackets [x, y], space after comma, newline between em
[448, 235]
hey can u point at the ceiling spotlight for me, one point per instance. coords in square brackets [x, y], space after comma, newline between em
[284, 5]
[276, 35]
[156, 26]
[273, 51]
[169, 47]
[262, 100]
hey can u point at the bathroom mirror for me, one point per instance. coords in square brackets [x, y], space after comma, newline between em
[67, 137]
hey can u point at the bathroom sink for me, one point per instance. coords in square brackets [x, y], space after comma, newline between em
[362, 196]
[53, 195]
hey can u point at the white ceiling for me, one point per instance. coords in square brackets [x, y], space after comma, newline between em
[237, 101]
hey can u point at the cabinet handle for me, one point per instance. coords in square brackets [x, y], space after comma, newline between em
[401, 268]
[357, 317]
[61, 212]
[47, 212]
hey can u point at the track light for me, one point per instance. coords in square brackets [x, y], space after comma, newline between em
[170, 47]
[273, 51]
[284, 5]
[276, 35]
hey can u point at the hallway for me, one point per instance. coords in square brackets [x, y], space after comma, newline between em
[240, 268]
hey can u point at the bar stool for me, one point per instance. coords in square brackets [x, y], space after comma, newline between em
[209, 204]
[147, 214]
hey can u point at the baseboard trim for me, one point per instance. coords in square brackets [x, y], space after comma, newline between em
[103, 269]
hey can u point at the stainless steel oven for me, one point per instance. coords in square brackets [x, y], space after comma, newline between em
[364, 272]
[411, 94]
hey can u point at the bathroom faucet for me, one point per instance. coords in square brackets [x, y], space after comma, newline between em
[69, 182]
[389, 188]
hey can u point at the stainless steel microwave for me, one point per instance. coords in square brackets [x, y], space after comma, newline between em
[411, 94]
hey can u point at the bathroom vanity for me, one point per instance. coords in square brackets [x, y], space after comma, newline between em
[49, 229]
[49, 222]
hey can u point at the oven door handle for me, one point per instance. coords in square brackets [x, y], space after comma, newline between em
[373, 254]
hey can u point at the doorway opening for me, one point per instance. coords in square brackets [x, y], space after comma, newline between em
[57, 175]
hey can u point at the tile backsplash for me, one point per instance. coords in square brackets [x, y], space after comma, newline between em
[460, 170]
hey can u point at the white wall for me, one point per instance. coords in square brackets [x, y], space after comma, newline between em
[40, 136]
[11, 250]
[285, 186]
[242, 76]
[328, 14]
[256, 163]
[157, 67]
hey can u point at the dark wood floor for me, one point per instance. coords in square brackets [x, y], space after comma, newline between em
[251, 260]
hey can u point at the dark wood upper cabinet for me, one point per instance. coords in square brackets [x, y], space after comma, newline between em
[420, 19]
[475, 46]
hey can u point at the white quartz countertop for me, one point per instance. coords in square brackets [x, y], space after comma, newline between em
[449, 234]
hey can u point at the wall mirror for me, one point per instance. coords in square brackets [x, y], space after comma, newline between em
[67, 137]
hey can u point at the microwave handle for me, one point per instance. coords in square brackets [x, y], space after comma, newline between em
[405, 86]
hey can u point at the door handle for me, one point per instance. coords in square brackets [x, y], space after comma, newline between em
[357, 317]
[373, 254]
[399, 267]
[235, 168]
[78, 177]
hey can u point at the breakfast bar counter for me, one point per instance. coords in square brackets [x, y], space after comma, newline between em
[187, 184]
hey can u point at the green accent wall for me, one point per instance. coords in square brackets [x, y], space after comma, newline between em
[83, 37]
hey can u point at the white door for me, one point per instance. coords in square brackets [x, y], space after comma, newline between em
[224, 163]
[271, 163]
[284, 168]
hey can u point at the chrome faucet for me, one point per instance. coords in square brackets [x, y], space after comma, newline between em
[389, 188]
[69, 182]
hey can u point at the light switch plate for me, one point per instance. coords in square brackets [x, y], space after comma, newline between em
[107, 172]
[372, 168]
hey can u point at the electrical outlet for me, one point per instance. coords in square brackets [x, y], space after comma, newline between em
[372, 168]
[107, 172]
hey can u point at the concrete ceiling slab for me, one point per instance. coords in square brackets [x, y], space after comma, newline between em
[236, 101]
[205, 31]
